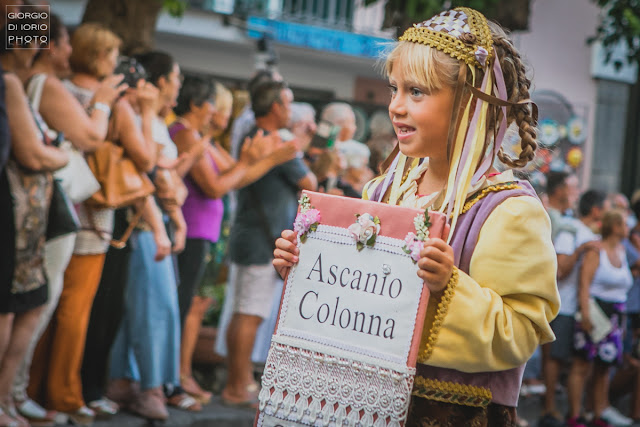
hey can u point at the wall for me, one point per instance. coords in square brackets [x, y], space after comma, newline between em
[556, 48]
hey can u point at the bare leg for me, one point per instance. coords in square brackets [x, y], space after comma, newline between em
[190, 332]
[551, 371]
[23, 327]
[600, 389]
[241, 336]
[577, 379]
[635, 396]
[6, 321]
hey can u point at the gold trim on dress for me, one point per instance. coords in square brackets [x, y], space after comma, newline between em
[450, 392]
[485, 192]
[431, 335]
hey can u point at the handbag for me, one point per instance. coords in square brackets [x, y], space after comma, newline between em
[76, 177]
[121, 183]
[62, 217]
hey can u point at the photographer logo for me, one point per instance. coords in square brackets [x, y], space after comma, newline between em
[28, 27]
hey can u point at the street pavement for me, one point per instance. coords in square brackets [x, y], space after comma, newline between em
[216, 414]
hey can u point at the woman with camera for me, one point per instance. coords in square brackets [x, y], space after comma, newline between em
[56, 365]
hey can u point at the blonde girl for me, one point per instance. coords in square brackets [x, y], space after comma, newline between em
[456, 83]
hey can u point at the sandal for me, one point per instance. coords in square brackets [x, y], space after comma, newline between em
[35, 414]
[250, 403]
[185, 402]
[7, 421]
[104, 407]
[150, 404]
[10, 412]
[190, 385]
[82, 417]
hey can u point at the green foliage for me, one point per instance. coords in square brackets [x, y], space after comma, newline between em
[620, 22]
[175, 7]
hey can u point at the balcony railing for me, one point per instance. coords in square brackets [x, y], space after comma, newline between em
[345, 15]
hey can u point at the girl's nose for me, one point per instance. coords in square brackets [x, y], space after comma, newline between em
[397, 106]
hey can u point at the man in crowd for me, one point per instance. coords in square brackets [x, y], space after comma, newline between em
[264, 209]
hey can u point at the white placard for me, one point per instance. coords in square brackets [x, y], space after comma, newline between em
[364, 302]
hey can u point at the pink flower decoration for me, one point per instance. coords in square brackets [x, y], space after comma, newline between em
[413, 246]
[306, 221]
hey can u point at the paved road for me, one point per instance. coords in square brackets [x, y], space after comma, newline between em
[217, 415]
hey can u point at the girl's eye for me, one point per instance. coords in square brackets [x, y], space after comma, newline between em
[393, 89]
[416, 92]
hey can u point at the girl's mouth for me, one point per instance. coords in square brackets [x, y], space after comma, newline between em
[405, 131]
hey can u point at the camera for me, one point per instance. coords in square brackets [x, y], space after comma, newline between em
[132, 70]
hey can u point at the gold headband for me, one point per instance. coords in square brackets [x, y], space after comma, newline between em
[462, 33]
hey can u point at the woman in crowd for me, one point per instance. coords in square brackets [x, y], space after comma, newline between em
[605, 278]
[55, 379]
[214, 174]
[25, 194]
[146, 347]
[627, 378]
[62, 113]
[490, 304]
[200, 304]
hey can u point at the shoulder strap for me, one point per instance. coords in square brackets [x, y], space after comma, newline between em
[35, 88]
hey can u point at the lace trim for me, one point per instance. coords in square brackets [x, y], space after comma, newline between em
[431, 335]
[449, 392]
[316, 389]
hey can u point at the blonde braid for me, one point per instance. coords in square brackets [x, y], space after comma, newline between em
[518, 85]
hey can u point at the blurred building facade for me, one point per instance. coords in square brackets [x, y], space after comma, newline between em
[328, 49]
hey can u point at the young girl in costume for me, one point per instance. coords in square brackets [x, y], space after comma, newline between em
[456, 83]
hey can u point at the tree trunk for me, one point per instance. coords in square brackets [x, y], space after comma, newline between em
[133, 21]
[511, 14]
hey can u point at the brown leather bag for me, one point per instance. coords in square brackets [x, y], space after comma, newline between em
[121, 183]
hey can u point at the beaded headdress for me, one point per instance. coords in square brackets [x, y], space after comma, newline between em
[464, 34]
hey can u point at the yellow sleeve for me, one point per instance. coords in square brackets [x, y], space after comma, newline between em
[494, 318]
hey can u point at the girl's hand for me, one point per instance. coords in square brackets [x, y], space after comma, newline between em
[286, 253]
[436, 265]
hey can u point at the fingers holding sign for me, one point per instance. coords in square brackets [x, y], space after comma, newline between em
[286, 252]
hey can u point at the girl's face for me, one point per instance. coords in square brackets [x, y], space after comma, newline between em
[420, 117]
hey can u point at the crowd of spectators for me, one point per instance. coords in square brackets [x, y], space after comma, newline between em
[104, 316]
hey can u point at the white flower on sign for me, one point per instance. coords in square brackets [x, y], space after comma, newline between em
[414, 243]
[365, 230]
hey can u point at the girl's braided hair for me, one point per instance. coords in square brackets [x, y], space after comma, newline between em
[518, 85]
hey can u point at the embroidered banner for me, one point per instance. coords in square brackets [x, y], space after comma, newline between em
[345, 346]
